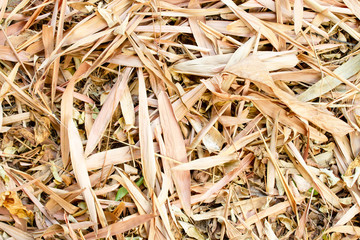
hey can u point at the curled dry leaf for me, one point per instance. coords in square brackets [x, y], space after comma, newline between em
[13, 204]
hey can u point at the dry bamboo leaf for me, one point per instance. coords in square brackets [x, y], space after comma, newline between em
[5, 88]
[352, 230]
[354, 6]
[222, 80]
[284, 183]
[210, 136]
[67, 111]
[7, 54]
[127, 108]
[248, 68]
[81, 174]
[268, 108]
[317, 7]
[253, 22]
[111, 157]
[328, 83]
[200, 37]
[211, 65]
[324, 191]
[228, 177]
[352, 212]
[269, 232]
[120, 227]
[15, 232]
[298, 15]
[142, 202]
[205, 163]
[48, 39]
[104, 117]
[175, 149]
[302, 223]
[271, 211]
[146, 135]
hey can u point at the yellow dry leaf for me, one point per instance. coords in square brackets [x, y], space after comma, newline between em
[191, 230]
[13, 204]
[84, 7]
[42, 127]
[352, 166]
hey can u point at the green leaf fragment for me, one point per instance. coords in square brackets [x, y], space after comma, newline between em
[122, 192]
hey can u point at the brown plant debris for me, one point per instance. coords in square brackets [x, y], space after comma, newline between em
[180, 119]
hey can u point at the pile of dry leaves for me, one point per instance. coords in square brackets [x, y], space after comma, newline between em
[180, 119]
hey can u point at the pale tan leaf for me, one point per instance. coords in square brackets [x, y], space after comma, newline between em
[106, 111]
[175, 149]
[81, 174]
[120, 227]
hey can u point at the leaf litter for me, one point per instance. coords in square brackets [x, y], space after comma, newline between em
[180, 119]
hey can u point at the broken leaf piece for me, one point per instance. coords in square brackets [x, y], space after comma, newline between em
[13, 204]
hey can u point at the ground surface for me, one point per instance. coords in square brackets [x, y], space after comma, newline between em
[176, 119]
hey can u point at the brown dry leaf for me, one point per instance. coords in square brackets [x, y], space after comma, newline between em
[42, 128]
[12, 202]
